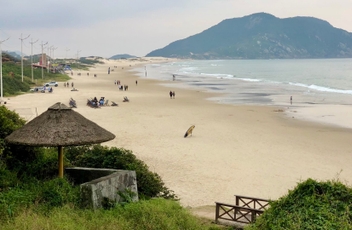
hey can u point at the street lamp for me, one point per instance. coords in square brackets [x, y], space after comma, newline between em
[32, 55]
[22, 54]
[66, 54]
[43, 59]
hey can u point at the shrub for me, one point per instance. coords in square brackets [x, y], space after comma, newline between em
[149, 183]
[311, 205]
[58, 192]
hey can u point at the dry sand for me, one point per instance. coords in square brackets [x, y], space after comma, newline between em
[247, 150]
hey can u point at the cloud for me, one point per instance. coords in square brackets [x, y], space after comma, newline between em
[67, 13]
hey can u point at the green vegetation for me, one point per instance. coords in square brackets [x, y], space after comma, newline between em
[31, 197]
[152, 214]
[149, 184]
[12, 77]
[311, 205]
[12, 73]
[263, 36]
[85, 62]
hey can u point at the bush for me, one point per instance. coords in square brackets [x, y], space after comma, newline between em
[9, 122]
[42, 196]
[311, 205]
[149, 184]
[57, 192]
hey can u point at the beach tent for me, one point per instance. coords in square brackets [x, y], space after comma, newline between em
[57, 127]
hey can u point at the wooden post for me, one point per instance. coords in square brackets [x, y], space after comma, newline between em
[61, 162]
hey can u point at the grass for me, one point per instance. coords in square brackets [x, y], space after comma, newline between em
[143, 215]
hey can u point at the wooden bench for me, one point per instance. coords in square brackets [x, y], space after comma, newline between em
[245, 210]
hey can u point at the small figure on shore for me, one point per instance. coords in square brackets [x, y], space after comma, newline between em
[109, 70]
[64, 84]
[170, 94]
[136, 82]
[115, 82]
[173, 77]
[72, 84]
[291, 100]
[173, 94]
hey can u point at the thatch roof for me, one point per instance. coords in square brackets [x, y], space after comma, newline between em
[59, 126]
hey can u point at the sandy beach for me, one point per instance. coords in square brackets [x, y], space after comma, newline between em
[254, 151]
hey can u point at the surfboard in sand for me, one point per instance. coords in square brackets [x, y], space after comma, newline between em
[189, 131]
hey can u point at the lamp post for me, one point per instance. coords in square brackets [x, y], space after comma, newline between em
[78, 51]
[1, 69]
[22, 54]
[48, 57]
[32, 56]
[66, 54]
[42, 59]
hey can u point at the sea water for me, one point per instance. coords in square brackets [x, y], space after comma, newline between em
[261, 82]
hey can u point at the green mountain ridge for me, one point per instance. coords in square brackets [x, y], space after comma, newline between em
[121, 56]
[263, 36]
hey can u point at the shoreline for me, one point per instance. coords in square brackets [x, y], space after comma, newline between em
[322, 107]
[249, 150]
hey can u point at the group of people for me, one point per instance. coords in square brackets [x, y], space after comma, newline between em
[68, 84]
[121, 87]
[50, 89]
[172, 94]
[100, 102]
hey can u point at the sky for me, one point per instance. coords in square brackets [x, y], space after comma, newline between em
[80, 28]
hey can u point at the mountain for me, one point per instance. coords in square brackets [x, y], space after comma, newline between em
[121, 56]
[263, 36]
[15, 54]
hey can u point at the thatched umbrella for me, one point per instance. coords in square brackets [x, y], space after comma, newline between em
[57, 127]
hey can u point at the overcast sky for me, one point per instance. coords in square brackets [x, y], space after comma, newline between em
[137, 27]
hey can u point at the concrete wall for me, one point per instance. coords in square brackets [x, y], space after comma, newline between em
[80, 175]
[104, 191]
[99, 185]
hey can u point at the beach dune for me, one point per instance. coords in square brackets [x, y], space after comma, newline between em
[254, 151]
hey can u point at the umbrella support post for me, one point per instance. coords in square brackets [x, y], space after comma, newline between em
[61, 162]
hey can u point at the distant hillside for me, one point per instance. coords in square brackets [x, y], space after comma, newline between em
[15, 54]
[263, 36]
[122, 56]
[6, 57]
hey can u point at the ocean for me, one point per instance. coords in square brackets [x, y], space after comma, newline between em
[261, 82]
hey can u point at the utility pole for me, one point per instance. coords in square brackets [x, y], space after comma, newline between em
[1, 100]
[31, 42]
[53, 58]
[78, 51]
[66, 53]
[54, 51]
[43, 58]
[22, 54]
[48, 58]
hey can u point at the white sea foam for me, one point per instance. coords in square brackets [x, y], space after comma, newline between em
[264, 77]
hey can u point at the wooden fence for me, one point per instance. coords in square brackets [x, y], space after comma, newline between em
[245, 210]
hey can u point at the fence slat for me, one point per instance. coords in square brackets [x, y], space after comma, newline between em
[245, 210]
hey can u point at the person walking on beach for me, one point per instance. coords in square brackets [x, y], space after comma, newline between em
[136, 82]
[291, 100]
[170, 94]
